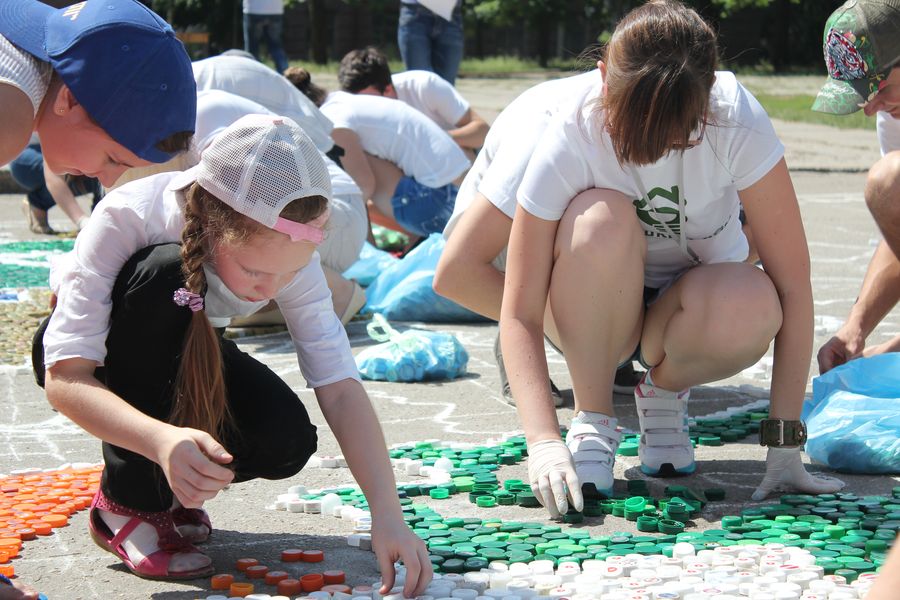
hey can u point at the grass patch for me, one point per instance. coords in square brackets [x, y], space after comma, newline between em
[472, 67]
[495, 65]
[796, 108]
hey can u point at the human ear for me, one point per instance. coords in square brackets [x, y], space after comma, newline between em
[64, 101]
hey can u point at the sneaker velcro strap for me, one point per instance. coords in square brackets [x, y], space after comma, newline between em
[582, 430]
[670, 422]
[668, 404]
[592, 446]
[666, 439]
[592, 456]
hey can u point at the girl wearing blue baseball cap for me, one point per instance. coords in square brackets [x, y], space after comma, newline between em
[104, 83]
[627, 226]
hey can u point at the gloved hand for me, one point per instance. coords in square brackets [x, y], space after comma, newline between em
[785, 472]
[551, 472]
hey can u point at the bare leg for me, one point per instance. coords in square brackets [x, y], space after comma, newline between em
[713, 322]
[387, 176]
[882, 188]
[596, 292]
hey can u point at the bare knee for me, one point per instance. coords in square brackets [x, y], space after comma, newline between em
[601, 226]
[739, 310]
[883, 188]
[755, 309]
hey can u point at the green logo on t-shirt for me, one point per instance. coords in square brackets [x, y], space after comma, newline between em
[664, 220]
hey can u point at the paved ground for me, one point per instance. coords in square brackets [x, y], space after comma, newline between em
[68, 566]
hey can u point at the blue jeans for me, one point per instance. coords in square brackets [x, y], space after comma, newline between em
[428, 42]
[27, 170]
[420, 209]
[267, 27]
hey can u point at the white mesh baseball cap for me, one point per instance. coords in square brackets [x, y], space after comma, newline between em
[259, 164]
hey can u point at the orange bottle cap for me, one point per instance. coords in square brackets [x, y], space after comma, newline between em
[292, 555]
[243, 563]
[41, 527]
[312, 582]
[337, 587]
[56, 520]
[240, 589]
[27, 533]
[312, 556]
[332, 577]
[4, 556]
[289, 587]
[7, 570]
[12, 542]
[221, 582]
[256, 571]
[274, 577]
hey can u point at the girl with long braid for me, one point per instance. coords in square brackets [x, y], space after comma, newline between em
[133, 353]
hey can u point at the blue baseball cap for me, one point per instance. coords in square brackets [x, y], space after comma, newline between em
[121, 61]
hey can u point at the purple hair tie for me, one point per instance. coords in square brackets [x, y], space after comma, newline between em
[185, 297]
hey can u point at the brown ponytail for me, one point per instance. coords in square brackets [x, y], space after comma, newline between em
[660, 69]
[302, 80]
[200, 400]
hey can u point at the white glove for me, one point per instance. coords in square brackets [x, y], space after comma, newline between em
[551, 472]
[785, 472]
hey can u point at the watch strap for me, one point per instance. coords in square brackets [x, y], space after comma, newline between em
[777, 433]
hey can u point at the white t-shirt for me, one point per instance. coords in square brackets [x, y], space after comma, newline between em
[432, 96]
[255, 81]
[398, 133]
[500, 165]
[263, 7]
[888, 132]
[150, 211]
[22, 70]
[739, 147]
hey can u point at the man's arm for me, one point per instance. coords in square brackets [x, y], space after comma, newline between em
[470, 130]
[879, 294]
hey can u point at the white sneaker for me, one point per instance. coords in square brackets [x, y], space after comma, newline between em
[665, 449]
[593, 440]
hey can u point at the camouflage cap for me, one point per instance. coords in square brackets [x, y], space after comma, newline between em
[861, 43]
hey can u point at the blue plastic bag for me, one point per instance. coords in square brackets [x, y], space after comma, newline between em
[853, 418]
[370, 263]
[402, 291]
[414, 355]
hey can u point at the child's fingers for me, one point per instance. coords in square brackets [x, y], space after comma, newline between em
[418, 572]
[213, 449]
[386, 566]
[209, 470]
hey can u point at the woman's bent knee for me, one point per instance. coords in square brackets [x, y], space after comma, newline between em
[602, 224]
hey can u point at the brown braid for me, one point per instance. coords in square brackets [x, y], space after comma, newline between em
[200, 400]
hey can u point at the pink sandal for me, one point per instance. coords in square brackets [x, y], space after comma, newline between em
[156, 565]
[194, 517]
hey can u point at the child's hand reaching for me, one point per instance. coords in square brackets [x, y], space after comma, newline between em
[191, 460]
[392, 540]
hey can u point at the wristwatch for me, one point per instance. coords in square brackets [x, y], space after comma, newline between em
[777, 433]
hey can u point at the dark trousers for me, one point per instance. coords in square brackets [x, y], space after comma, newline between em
[273, 437]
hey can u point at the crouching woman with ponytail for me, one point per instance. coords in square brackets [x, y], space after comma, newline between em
[134, 356]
